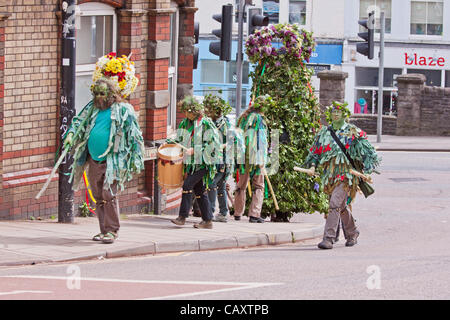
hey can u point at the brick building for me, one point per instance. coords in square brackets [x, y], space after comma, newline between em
[158, 33]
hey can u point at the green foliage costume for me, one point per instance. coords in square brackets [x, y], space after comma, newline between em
[124, 155]
[204, 131]
[326, 153]
[282, 74]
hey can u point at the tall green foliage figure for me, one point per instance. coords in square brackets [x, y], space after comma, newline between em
[280, 53]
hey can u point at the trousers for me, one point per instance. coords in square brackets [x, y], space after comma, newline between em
[217, 190]
[106, 202]
[339, 211]
[194, 184]
[257, 196]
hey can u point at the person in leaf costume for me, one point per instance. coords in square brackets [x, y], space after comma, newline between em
[198, 133]
[339, 183]
[253, 126]
[217, 109]
[108, 144]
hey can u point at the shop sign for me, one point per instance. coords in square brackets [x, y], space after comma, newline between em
[418, 60]
[150, 153]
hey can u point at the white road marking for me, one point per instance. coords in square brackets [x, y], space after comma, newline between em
[22, 291]
[241, 285]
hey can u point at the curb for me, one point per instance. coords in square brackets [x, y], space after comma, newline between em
[234, 242]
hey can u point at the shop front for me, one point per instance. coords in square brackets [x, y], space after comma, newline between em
[433, 61]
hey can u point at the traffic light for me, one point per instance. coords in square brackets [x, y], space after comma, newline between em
[222, 48]
[367, 48]
[256, 20]
[196, 36]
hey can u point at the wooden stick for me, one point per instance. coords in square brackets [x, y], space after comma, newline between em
[271, 190]
[361, 175]
[249, 187]
[303, 170]
[52, 174]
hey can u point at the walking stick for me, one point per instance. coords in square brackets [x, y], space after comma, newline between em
[271, 190]
[52, 174]
[64, 153]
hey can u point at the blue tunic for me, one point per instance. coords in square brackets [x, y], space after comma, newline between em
[99, 137]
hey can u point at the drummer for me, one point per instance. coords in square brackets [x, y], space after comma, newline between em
[197, 132]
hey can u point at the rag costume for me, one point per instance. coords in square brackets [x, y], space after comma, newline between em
[217, 189]
[111, 159]
[338, 182]
[106, 140]
[200, 134]
[254, 130]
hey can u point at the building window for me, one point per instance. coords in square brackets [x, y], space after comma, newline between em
[427, 17]
[447, 79]
[271, 9]
[367, 6]
[212, 71]
[434, 77]
[297, 12]
[95, 38]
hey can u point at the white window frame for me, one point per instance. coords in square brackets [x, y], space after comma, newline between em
[425, 36]
[306, 12]
[96, 9]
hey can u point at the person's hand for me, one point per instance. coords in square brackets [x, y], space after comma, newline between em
[190, 151]
[68, 139]
[312, 171]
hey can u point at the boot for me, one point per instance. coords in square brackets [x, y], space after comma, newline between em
[204, 225]
[352, 242]
[179, 221]
[326, 244]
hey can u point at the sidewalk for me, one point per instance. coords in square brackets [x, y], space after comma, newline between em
[33, 242]
[400, 143]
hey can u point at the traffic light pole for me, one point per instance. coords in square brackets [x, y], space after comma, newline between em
[239, 58]
[381, 78]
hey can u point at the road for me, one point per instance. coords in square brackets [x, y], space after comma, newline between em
[402, 254]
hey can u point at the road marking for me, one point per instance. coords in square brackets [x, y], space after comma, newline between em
[184, 295]
[229, 286]
[22, 291]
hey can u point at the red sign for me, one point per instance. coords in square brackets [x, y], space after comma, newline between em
[416, 60]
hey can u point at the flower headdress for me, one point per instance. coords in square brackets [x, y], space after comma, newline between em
[118, 69]
[216, 105]
[342, 106]
[191, 105]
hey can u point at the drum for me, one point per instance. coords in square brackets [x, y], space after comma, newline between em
[170, 166]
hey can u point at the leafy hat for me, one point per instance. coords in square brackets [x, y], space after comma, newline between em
[216, 105]
[191, 105]
[263, 103]
[119, 70]
[342, 106]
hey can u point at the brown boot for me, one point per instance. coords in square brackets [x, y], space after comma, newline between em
[204, 225]
[179, 221]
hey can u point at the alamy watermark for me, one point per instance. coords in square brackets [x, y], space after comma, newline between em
[374, 280]
[73, 277]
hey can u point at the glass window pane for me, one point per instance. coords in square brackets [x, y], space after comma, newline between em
[433, 76]
[389, 75]
[367, 77]
[364, 7]
[447, 79]
[271, 9]
[297, 12]
[82, 91]
[232, 98]
[212, 71]
[435, 18]
[418, 12]
[232, 72]
[94, 38]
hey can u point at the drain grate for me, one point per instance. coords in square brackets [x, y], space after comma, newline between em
[408, 179]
